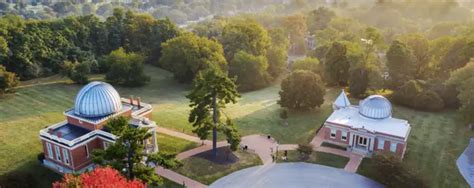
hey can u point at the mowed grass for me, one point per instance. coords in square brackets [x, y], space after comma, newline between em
[321, 158]
[170, 144]
[206, 172]
[436, 140]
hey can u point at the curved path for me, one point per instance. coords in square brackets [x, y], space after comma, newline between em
[285, 175]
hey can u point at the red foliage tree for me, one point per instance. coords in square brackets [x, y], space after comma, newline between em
[100, 177]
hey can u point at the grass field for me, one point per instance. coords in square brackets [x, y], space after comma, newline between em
[435, 142]
[321, 158]
[170, 144]
[207, 172]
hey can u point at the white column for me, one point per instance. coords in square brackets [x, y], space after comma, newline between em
[351, 139]
[372, 141]
[155, 142]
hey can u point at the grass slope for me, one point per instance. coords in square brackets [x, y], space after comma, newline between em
[170, 144]
[435, 142]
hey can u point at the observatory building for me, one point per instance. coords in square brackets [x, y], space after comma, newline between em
[68, 145]
[366, 128]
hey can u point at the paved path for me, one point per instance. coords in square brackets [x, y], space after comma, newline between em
[283, 175]
[178, 178]
[262, 146]
[354, 162]
[200, 149]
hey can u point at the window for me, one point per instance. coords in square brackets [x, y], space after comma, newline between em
[66, 156]
[393, 147]
[333, 133]
[106, 144]
[344, 136]
[58, 153]
[87, 150]
[381, 143]
[50, 150]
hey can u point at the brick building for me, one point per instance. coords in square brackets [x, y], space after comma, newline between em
[68, 145]
[366, 128]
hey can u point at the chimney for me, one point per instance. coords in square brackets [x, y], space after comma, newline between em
[131, 100]
[59, 134]
[139, 102]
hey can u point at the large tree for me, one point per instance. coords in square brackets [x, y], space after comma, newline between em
[295, 26]
[400, 63]
[302, 90]
[336, 64]
[250, 71]
[212, 91]
[420, 47]
[127, 154]
[244, 35]
[125, 68]
[188, 54]
[463, 80]
[319, 19]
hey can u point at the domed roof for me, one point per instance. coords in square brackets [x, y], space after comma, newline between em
[375, 107]
[97, 99]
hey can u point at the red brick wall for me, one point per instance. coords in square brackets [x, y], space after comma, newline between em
[80, 155]
[327, 135]
[45, 149]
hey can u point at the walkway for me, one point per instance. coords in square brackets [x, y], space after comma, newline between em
[283, 175]
[178, 178]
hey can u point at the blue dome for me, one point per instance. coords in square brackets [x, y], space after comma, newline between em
[375, 107]
[97, 99]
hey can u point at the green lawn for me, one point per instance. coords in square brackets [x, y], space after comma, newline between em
[170, 144]
[435, 142]
[207, 172]
[321, 158]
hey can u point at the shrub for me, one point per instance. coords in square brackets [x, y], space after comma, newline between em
[416, 94]
[284, 114]
[305, 151]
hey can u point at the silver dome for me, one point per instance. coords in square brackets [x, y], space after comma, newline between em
[375, 107]
[97, 99]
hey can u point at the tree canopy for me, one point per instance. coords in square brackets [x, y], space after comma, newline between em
[302, 90]
[463, 80]
[125, 68]
[336, 64]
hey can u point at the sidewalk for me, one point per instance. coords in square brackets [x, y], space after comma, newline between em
[178, 178]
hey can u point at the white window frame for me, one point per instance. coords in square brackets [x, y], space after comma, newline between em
[333, 131]
[381, 143]
[66, 156]
[344, 135]
[106, 144]
[49, 149]
[58, 152]
[393, 147]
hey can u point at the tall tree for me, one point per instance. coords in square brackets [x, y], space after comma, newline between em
[336, 64]
[188, 54]
[295, 26]
[463, 79]
[420, 47]
[212, 91]
[302, 90]
[250, 71]
[125, 68]
[319, 19]
[400, 64]
[127, 154]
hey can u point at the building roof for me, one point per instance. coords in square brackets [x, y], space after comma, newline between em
[341, 101]
[351, 117]
[69, 131]
[97, 99]
[375, 107]
[465, 163]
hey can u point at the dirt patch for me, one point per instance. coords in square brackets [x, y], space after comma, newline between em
[225, 156]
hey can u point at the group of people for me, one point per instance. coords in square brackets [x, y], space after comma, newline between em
[275, 156]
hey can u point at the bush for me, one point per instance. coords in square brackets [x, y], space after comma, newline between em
[302, 90]
[416, 94]
[392, 173]
[284, 114]
[305, 151]
[8, 80]
[40, 157]
[126, 68]
[309, 64]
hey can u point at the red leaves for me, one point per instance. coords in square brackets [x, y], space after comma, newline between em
[100, 178]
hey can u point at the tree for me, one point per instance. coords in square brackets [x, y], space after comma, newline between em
[76, 71]
[188, 54]
[295, 26]
[390, 171]
[211, 92]
[250, 70]
[420, 47]
[463, 80]
[309, 64]
[319, 19]
[458, 55]
[8, 80]
[99, 177]
[336, 64]
[302, 90]
[400, 63]
[418, 95]
[127, 154]
[125, 68]
[277, 60]
[247, 36]
[358, 80]
[305, 150]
